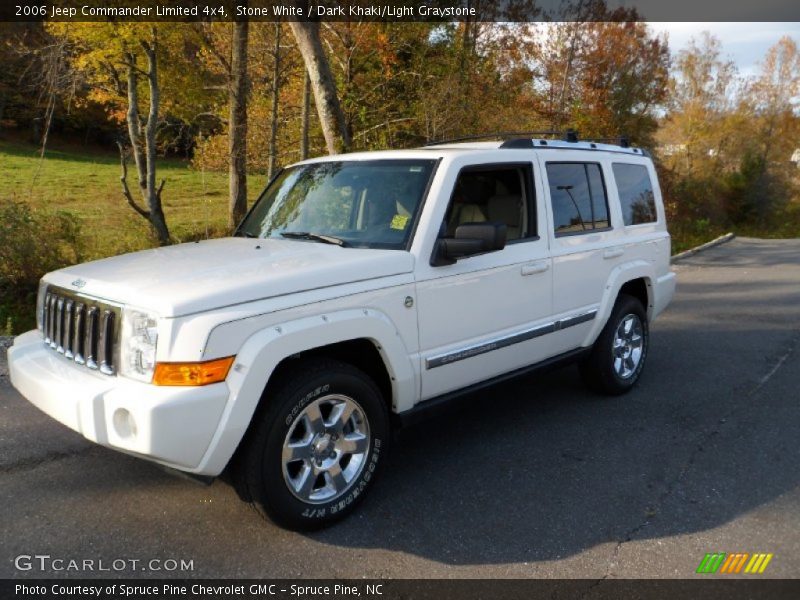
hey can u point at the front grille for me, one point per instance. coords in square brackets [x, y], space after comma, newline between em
[82, 329]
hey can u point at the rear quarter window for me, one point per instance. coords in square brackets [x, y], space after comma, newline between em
[635, 193]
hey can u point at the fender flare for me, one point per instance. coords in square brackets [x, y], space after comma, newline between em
[266, 348]
[619, 276]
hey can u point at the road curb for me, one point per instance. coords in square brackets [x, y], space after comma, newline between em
[692, 251]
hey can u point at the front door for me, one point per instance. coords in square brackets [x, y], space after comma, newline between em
[484, 315]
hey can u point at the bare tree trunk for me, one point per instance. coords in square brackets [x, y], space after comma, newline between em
[237, 127]
[276, 90]
[135, 123]
[331, 117]
[154, 193]
[562, 95]
[305, 115]
[143, 141]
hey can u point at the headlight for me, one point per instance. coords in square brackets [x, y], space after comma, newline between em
[138, 344]
[40, 305]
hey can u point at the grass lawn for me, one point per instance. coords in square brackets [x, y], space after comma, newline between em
[86, 184]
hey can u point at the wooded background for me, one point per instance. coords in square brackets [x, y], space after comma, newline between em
[120, 136]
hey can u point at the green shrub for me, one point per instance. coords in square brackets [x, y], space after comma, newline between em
[31, 244]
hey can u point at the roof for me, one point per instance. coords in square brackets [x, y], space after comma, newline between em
[460, 148]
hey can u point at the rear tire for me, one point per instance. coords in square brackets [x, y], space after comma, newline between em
[316, 448]
[617, 358]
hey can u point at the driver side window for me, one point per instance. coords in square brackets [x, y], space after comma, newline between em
[493, 193]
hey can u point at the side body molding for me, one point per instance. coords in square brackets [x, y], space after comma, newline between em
[265, 349]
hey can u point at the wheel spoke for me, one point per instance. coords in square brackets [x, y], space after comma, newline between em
[353, 443]
[314, 419]
[628, 326]
[336, 478]
[305, 481]
[340, 415]
[629, 365]
[297, 451]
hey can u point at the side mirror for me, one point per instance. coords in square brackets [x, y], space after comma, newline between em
[470, 239]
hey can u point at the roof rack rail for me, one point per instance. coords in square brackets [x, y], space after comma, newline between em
[524, 139]
[497, 134]
[570, 135]
[623, 141]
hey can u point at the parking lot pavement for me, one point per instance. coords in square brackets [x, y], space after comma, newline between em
[534, 478]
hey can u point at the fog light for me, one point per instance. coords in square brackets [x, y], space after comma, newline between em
[124, 423]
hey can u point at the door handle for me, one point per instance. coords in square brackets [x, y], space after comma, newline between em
[534, 268]
[613, 253]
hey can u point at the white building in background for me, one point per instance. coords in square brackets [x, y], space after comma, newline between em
[672, 149]
[796, 157]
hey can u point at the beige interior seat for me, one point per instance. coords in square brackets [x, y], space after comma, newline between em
[507, 208]
[464, 213]
[470, 213]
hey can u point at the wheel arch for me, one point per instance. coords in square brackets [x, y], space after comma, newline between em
[635, 279]
[364, 338]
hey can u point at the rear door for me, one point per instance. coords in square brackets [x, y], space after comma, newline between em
[586, 245]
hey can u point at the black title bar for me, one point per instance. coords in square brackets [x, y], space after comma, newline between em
[395, 10]
[717, 588]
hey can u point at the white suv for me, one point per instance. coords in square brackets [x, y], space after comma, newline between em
[360, 291]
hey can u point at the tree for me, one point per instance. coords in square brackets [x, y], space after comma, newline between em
[331, 117]
[775, 98]
[237, 124]
[124, 64]
[142, 135]
[606, 76]
[118, 66]
[225, 50]
[699, 130]
[275, 96]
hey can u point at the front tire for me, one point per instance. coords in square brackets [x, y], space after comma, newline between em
[317, 447]
[617, 358]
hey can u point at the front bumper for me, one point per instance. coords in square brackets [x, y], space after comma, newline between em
[173, 426]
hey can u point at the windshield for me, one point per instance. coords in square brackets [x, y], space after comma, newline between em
[367, 204]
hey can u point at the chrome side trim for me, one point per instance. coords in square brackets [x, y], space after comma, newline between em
[508, 340]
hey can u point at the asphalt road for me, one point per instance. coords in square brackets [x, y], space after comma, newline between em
[535, 478]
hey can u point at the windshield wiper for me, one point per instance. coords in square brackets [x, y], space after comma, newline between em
[244, 233]
[317, 237]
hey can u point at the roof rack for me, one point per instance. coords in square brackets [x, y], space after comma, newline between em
[622, 141]
[527, 139]
[497, 134]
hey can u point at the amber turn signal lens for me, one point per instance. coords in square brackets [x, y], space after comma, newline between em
[199, 373]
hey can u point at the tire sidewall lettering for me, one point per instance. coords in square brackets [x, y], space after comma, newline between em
[304, 401]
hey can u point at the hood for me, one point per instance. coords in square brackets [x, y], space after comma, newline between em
[190, 278]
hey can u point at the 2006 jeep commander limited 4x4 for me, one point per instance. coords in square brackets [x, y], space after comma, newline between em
[359, 290]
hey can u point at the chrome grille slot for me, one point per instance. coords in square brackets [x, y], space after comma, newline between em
[52, 319]
[59, 325]
[90, 339]
[46, 318]
[77, 334]
[104, 343]
[84, 330]
[68, 327]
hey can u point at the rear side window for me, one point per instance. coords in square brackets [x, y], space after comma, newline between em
[635, 193]
[578, 194]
